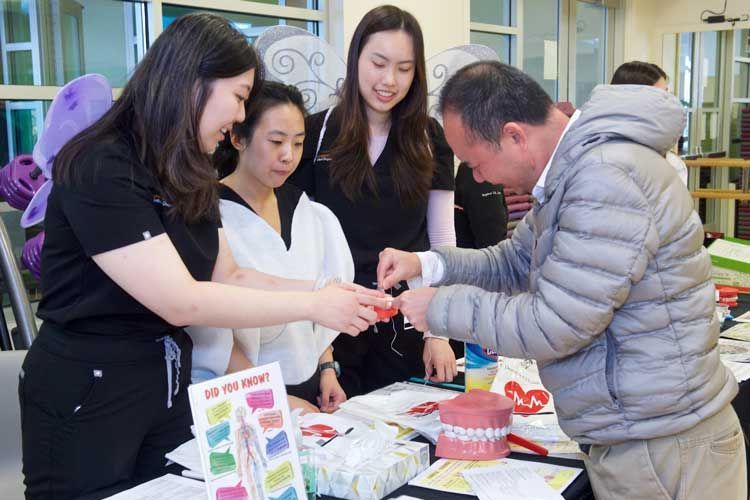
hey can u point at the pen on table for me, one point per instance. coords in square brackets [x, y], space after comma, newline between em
[447, 385]
[529, 445]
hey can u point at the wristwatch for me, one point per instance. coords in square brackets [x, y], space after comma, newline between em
[332, 365]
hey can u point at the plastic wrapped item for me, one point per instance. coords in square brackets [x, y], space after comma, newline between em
[374, 473]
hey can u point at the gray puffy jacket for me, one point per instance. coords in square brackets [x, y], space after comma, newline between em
[606, 283]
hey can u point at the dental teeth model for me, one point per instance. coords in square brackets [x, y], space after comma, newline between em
[475, 426]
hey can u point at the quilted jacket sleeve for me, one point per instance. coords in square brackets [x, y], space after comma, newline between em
[602, 245]
[500, 268]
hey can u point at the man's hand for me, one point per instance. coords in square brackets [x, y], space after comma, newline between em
[414, 304]
[331, 393]
[397, 265]
[439, 357]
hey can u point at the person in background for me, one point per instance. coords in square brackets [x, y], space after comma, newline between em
[605, 282]
[383, 167]
[643, 73]
[481, 216]
[134, 251]
[273, 227]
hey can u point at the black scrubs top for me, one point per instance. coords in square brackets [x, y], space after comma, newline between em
[371, 224]
[481, 214]
[115, 203]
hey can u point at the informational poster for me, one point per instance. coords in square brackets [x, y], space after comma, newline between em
[245, 436]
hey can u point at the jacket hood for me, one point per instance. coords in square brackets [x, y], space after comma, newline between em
[637, 113]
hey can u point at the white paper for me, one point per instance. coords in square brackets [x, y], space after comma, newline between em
[730, 250]
[745, 318]
[550, 59]
[187, 455]
[738, 332]
[168, 487]
[409, 405]
[509, 483]
[446, 475]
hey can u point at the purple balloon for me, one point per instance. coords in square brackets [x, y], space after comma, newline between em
[20, 180]
[31, 255]
[34, 213]
[78, 104]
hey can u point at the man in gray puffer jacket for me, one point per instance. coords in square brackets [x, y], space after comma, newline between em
[605, 282]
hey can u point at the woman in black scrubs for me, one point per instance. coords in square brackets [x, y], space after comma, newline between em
[383, 167]
[134, 250]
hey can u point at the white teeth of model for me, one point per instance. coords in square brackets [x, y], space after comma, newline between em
[470, 432]
[482, 437]
[447, 427]
[463, 437]
[498, 432]
[450, 434]
[489, 432]
[459, 430]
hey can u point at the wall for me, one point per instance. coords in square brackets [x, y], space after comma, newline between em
[646, 21]
[442, 27]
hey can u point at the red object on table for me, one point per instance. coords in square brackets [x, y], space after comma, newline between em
[529, 445]
[385, 314]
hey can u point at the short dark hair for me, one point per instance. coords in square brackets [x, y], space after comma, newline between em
[489, 94]
[638, 73]
[272, 94]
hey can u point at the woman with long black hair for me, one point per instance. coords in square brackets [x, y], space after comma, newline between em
[133, 251]
[383, 167]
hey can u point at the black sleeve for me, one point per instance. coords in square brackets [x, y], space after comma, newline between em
[111, 205]
[304, 176]
[483, 206]
[443, 177]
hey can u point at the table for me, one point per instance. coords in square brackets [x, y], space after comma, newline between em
[741, 402]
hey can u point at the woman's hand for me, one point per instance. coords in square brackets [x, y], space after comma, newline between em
[331, 393]
[438, 356]
[295, 402]
[346, 307]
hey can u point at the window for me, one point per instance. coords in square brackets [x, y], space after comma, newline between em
[249, 24]
[590, 49]
[563, 44]
[541, 35]
[494, 24]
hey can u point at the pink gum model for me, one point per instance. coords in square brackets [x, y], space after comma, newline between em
[475, 426]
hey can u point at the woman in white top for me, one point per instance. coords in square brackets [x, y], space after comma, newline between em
[273, 227]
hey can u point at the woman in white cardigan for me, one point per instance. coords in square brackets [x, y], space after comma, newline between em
[273, 227]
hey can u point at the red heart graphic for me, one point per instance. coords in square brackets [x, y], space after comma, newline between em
[526, 402]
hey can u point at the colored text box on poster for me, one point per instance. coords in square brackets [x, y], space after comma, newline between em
[221, 462]
[231, 493]
[260, 399]
[217, 434]
[277, 445]
[289, 494]
[279, 477]
[271, 420]
[218, 412]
